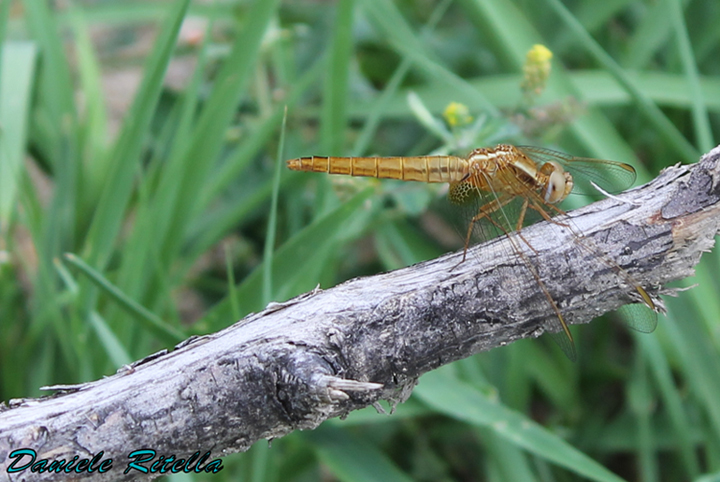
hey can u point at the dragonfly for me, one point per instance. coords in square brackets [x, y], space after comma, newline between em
[492, 178]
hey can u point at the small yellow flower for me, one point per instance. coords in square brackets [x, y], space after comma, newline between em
[538, 54]
[536, 70]
[457, 115]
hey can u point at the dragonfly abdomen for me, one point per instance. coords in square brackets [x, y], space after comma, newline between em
[419, 168]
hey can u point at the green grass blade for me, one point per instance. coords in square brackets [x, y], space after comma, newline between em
[56, 83]
[334, 113]
[701, 122]
[557, 384]
[207, 231]
[218, 113]
[94, 122]
[641, 405]
[392, 25]
[126, 154]
[650, 35]
[158, 194]
[672, 400]
[509, 29]
[399, 245]
[272, 219]
[353, 459]
[651, 112]
[594, 15]
[52, 134]
[700, 360]
[55, 135]
[513, 33]
[665, 89]
[380, 104]
[115, 350]
[148, 319]
[17, 72]
[504, 457]
[453, 398]
[4, 15]
[296, 262]
[231, 284]
[239, 159]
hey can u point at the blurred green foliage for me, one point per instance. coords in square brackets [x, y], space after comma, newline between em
[161, 191]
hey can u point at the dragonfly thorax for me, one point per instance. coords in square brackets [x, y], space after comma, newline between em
[506, 169]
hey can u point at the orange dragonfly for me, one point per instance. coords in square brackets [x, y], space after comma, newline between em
[494, 177]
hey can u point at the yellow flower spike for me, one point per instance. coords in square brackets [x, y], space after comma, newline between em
[457, 115]
[536, 69]
[538, 54]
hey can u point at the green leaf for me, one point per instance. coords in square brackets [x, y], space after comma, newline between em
[17, 72]
[448, 395]
[148, 319]
[352, 459]
[126, 155]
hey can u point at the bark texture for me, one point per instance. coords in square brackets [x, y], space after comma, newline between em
[328, 352]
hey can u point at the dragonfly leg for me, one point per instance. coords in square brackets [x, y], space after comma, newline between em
[521, 217]
[485, 212]
[569, 346]
[546, 216]
[521, 220]
[647, 299]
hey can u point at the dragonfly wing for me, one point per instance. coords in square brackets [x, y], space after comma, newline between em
[463, 192]
[639, 317]
[611, 176]
[565, 344]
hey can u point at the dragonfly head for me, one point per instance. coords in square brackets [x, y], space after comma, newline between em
[559, 182]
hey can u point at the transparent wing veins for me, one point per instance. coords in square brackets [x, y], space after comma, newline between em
[612, 176]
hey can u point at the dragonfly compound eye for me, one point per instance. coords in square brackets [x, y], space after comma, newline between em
[555, 188]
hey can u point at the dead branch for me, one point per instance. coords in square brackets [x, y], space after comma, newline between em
[328, 352]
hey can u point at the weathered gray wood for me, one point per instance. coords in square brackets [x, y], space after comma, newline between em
[331, 351]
